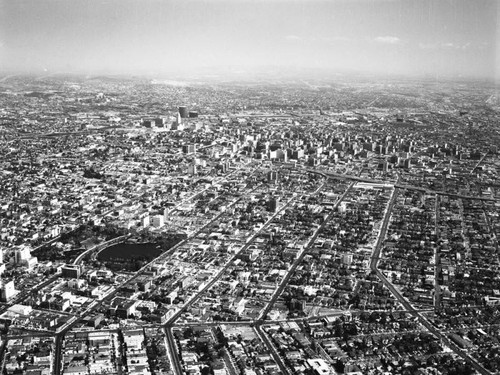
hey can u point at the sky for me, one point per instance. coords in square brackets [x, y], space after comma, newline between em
[438, 38]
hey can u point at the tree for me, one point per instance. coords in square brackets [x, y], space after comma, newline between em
[188, 333]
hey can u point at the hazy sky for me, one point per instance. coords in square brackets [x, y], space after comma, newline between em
[423, 37]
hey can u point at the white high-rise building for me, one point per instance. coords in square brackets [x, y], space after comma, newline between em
[7, 291]
[158, 221]
[22, 257]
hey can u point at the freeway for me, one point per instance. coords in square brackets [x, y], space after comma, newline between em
[395, 184]
[67, 133]
[405, 303]
[260, 321]
[252, 322]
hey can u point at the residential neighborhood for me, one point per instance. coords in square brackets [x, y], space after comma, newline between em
[149, 228]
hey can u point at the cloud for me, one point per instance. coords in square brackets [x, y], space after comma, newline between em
[388, 39]
[293, 38]
[447, 46]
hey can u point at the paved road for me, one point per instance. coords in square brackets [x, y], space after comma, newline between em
[397, 185]
[479, 163]
[284, 283]
[228, 264]
[19, 297]
[279, 290]
[430, 327]
[57, 366]
[406, 304]
[252, 322]
[437, 260]
[99, 247]
[172, 348]
[274, 353]
[3, 353]
[297, 261]
[383, 230]
[63, 331]
[491, 231]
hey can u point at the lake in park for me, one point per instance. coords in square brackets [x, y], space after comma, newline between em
[130, 252]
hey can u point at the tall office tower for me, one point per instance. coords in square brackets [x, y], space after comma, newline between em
[183, 112]
[385, 166]
[272, 204]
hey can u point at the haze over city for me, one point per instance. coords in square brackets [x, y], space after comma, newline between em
[452, 38]
[249, 187]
